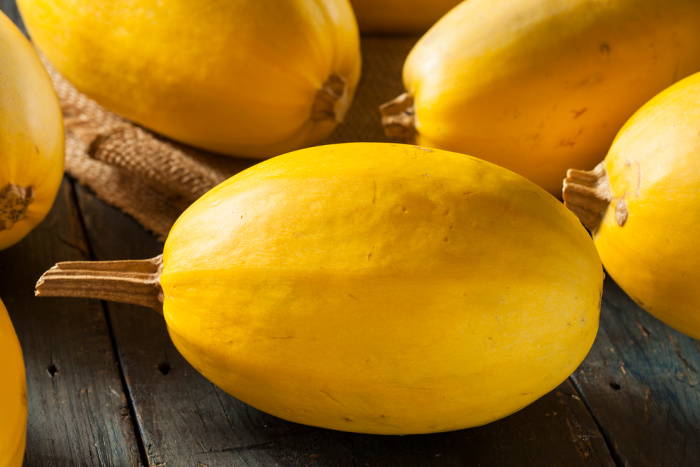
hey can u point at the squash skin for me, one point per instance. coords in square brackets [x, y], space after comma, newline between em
[13, 395]
[653, 168]
[236, 77]
[31, 130]
[381, 288]
[399, 16]
[539, 86]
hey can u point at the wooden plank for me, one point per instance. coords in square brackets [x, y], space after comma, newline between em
[185, 420]
[78, 412]
[555, 430]
[642, 384]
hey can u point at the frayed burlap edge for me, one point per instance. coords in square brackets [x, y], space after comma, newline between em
[146, 176]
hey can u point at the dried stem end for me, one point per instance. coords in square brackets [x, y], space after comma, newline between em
[587, 194]
[14, 204]
[332, 101]
[133, 281]
[398, 118]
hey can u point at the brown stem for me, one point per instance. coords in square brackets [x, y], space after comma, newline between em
[331, 102]
[398, 118]
[132, 281]
[587, 194]
[14, 204]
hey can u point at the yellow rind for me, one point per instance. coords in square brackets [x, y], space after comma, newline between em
[13, 395]
[31, 130]
[234, 77]
[381, 288]
[540, 86]
[654, 170]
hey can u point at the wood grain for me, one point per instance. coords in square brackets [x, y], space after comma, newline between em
[78, 411]
[641, 383]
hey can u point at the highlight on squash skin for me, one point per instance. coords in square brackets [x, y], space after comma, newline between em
[369, 287]
[13, 395]
[540, 86]
[31, 137]
[642, 205]
[277, 76]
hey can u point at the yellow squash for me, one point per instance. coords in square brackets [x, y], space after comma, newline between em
[372, 288]
[539, 86]
[13, 395]
[31, 137]
[642, 204]
[399, 16]
[242, 77]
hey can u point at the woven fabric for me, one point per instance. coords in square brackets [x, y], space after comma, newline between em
[153, 179]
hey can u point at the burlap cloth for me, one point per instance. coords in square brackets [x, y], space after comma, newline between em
[154, 179]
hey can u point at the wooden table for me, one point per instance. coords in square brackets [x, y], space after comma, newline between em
[106, 386]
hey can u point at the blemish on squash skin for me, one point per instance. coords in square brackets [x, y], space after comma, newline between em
[628, 164]
[328, 395]
[578, 113]
[566, 143]
[273, 338]
[583, 82]
[621, 212]
[675, 72]
[570, 142]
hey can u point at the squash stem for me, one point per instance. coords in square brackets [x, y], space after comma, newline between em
[587, 194]
[332, 100]
[132, 281]
[398, 118]
[14, 204]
